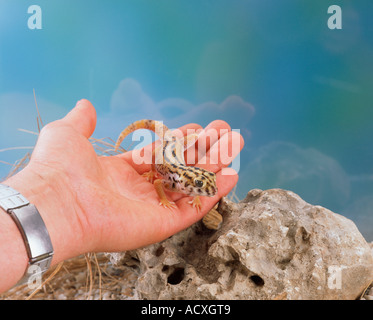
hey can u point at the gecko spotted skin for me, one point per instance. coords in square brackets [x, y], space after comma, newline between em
[169, 171]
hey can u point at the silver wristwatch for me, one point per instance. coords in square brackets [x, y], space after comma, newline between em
[33, 230]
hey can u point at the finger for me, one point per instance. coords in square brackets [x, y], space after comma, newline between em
[206, 138]
[82, 118]
[211, 134]
[223, 152]
[132, 157]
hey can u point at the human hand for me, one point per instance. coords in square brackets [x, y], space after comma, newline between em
[95, 203]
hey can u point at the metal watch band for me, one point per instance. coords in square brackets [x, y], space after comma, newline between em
[32, 228]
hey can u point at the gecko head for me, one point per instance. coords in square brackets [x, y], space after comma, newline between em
[199, 182]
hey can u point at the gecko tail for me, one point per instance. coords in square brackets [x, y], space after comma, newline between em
[156, 126]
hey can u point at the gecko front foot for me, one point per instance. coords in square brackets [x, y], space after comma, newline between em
[196, 203]
[162, 196]
[167, 204]
[149, 176]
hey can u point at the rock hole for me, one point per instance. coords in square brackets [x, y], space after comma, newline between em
[135, 260]
[305, 235]
[133, 263]
[159, 251]
[176, 276]
[257, 280]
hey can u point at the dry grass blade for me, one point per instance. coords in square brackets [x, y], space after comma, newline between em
[28, 131]
[20, 164]
[99, 276]
[16, 148]
[37, 110]
[232, 196]
[89, 266]
[8, 163]
[105, 148]
[59, 266]
[366, 289]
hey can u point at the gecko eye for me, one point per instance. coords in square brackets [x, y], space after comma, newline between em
[198, 183]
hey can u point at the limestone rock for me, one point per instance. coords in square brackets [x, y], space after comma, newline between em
[271, 245]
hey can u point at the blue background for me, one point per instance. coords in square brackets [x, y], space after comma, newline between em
[300, 93]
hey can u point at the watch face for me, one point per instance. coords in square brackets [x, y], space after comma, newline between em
[34, 232]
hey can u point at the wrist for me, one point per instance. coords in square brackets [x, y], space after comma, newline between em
[13, 249]
[47, 191]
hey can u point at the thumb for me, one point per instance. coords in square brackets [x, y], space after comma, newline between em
[82, 118]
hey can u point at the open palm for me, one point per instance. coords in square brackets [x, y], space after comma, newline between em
[114, 208]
